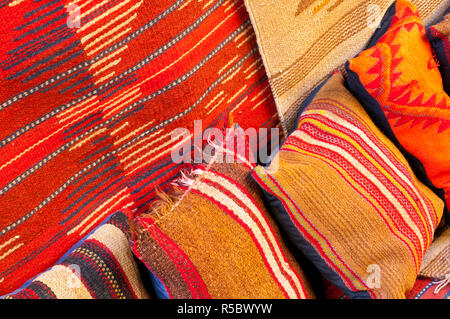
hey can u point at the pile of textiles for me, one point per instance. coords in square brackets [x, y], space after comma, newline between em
[90, 94]
[354, 203]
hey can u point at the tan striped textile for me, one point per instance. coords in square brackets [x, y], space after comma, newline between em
[215, 239]
[303, 41]
[349, 200]
[436, 263]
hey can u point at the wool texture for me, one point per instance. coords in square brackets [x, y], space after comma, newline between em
[348, 199]
[215, 239]
[89, 95]
[424, 288]
[102, 267]
[302, 42]
[436, 263]
[401, 75]
[439, 36]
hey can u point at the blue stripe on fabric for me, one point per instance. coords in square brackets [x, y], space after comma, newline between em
[45, 47]
[44, 60]
[80, 130]
[66, 79]
[63, 257]
[280, 213]
[161, 185]
[100, 150]
[99, 140]
[125, 116]
[53, 240]
[37, 19]
[116, 88]
[94, 169]
[13, 136]
[45, 5]
[52, 66]
[41, 27]
[74, 126]
[87, 192]
[15, 51]
[104, 53]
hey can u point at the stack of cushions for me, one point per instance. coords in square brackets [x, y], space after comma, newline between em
[101, 267]
[349, 200]
[215, 239]
[399, 83]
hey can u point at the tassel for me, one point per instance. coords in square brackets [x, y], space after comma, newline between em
[442, 283]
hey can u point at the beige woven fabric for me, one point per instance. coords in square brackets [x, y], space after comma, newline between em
[303, 41]
[436, 263]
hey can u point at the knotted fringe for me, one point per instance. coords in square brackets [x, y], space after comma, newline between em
[167, 202]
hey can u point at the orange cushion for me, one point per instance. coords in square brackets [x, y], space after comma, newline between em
[400, 73]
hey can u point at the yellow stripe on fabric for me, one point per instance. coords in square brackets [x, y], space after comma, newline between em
[365, 154]
[367, 195]
[326, 249]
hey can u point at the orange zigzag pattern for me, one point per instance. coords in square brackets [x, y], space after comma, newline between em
[404, 101]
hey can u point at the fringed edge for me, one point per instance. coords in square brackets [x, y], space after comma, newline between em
[165, 203]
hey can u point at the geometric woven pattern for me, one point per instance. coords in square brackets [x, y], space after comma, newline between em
[298, 59]
[214, 238]
[102, 267]
[424, 288]
[90, 93]
[400, 73]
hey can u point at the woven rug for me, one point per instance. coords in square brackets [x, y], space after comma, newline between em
[436, 263]
[90, 92]
[303, 41]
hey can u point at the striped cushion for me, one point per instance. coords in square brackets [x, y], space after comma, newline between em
[439, 36]
[102, 267]
[214, 239]
[349, 200]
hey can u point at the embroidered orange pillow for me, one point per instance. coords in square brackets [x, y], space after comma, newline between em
[399, 83]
